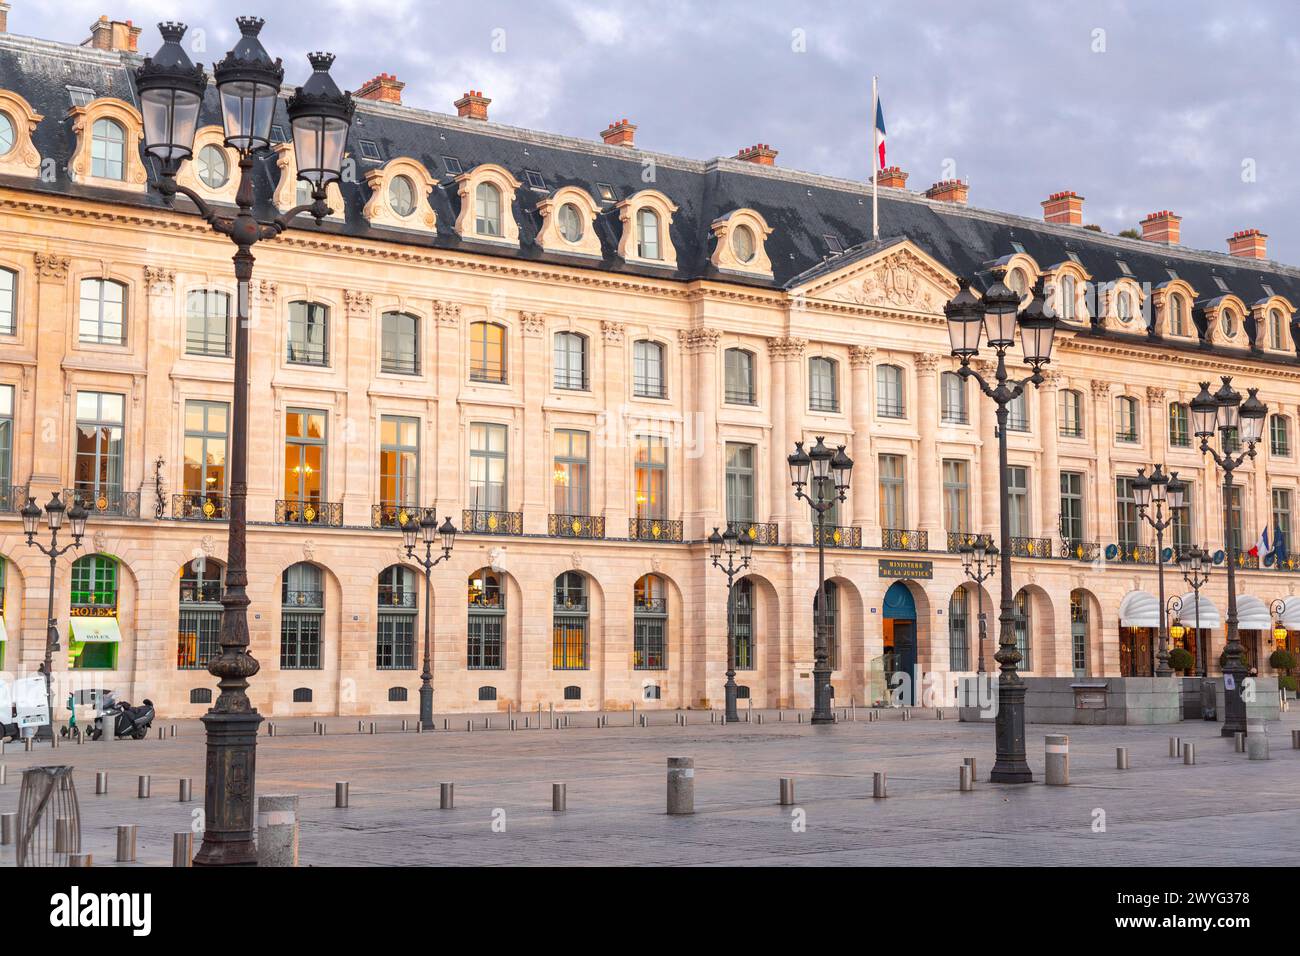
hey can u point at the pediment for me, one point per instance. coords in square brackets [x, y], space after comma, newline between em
[901, 277]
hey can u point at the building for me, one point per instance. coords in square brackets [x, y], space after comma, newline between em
[588, 355]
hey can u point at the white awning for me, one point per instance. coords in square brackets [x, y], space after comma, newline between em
[1291, 613]
[4, 634]
[101, 630]
[1209, 614]
[1252, 614]
[1139, 609]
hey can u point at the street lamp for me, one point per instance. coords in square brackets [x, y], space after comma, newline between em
[996, 316]
[1280, 631]
[248, 87]
[720, 546]
[1196, 572]
[1239, 424]
[1158, 490]
[55, 512]
[979, 561]
[413, 532]
[830, 473]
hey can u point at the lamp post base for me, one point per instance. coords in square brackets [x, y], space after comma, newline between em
[426, 707]
[1234, 708]
[731, 717]
[230, 831]
[1011, 766]
[822, 697]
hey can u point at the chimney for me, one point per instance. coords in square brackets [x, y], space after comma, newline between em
[1065, 208]
[759, 153]
[621, 133]
[1248, 244]
[1161, 227]
[473, 105]
[106, 34]
[385, 88]
[4, 18]
[949, 190]
[892, 176]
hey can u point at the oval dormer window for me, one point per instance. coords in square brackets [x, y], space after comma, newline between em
[570, 223]
[1228, 323]
[213, 169]
[401, 196]
[742, 243]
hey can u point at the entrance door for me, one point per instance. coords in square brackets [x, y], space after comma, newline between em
[1078, 635]
[905, 657]
[899, 613]
[1135, 651]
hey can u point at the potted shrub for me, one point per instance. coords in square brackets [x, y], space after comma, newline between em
[1284, 661]
[1181, 660]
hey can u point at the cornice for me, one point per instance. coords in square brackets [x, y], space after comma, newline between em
[1212, 363]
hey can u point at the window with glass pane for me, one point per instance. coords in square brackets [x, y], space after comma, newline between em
[207, 323]
[569, 623]
[1072, 506]
[1018, 414]
[399, 460]
[648, 380]
[94, 585]
[1070, 406]
[206, 429]
[6, 439]
[1230, 440]
[1236, 505]
[485, 637]
[305, 445]
[893, 493]
[1276, 331]
[1067, 298]
[650, 624]
[103, 307]
[742, 623]
[309, 333]
[107, 150]
[301, 617]
[571, 472]
[959, 630]
[1177, 315]
[740, 377]
[199, 622]
[1127, 412]
[1020, 626]
[831, 621]
[1281, 539]
[647, 234]
[651, 477]
[487, 466]
[97, 470]
[1018, 500]
[889, 392]
[570, 360]
[1279, 433]
[487, 352]
[1182, 518]
[823, 384]
[400, 344]
[8, 301]
[952, 399]
[395, 619]
[487, 210]
[1180, 429]
[1126, 514]
[956, 495]
[740, 482]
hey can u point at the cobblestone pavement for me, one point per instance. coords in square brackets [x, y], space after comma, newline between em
[1226, 809]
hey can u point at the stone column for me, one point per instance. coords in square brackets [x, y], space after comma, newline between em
[862, 508]
[990, 504]
[160, 416]
[355, 437]
[1050, 477]
[48, 459]
[929, 497]
[534, 448]
[611, 496]
[263, 428]
[1103, 433]
[444, 461]
[701, 505]
[1156, 423]
[788, 352]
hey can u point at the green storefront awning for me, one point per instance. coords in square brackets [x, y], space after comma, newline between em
[100, 630]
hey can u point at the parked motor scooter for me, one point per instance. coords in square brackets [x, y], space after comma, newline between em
[126, 721]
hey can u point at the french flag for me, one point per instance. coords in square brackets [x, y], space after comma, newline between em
[1261, 546]
[880, 133]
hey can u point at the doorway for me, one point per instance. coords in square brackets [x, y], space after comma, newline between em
[899, 631]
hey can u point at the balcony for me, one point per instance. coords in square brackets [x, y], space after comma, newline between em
[1031, 547]
[199, 507]
[294, 599]
[106, 503]
[392, 515]
[960, 539]
[1134, 553]
[200, 592]
[12, 498]
[1247, 561]
[575, 526]
[491, 522]
[654, 529]
[1081, 550]
[399, 598]
[897, 539]
[837, 536]
[759, 532]
[327, 513]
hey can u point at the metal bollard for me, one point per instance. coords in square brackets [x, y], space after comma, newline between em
[964, 778]
[361, 726]
[342, 794]
[681, 785]
[559, 797]
[186, 790]
[970, 762]
[101, 782]
[1239, 742]
[81, 859]
[277, 830]
[878, 784]
[1057, 747]
[801, 716]
[787, 791]
[645, 720]
[403, 726]
[183, 849]
[173, 731]
[419, 727]
[142, 787]
[513, 725]
[1121, 758]
[760, 717]
[27, 744]
[939, 713]
[446, 796]
[63, 835]
[1175, 747]
[1295, 744]
[4, 775]
[372, 728]
[8, 827]
[161, 733]
[126, 834]
[1189, 754]
[270, 730]
[469, 726]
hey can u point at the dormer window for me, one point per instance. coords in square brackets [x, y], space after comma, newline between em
[1124, 307]
[401, 196]
[369, 150]
[645, 218]
[742, 243]
[8, 136]
[647, 234]
[1276, 330]
[1177, 314]
[1228, 323]
[570, 222]
[107, 150]
[1067, 300]
[1018, 282]
[212, 167]
[487, 194]
[487, 210]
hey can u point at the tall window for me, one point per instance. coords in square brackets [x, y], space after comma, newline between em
[1276, 330]
[6, 441]
[1071, 413]
[200, 614]
[952, 398]
[740, 377]
[651, 477]
[485, 647]
[107, 150]
[207, 323]
[1018, 414]
[889, 392]
[1068, 298]
[740, 482]
[571, 472]
[1124, 307]
[94, 592]
[305, 445]
[103, 307]
[487, 352]
[570, 360]
[649, 624]
[959, 630]
[309, 333]
[302, 611]
[206, 428]
[1281, 538]
[647, 234]
[1182, 517]
[831, 622]
[1180, 429]
[1079, 633]
[399, 462]
[569, 623]
[648, 378]
[487, 210]
[8, 301]
[395, 619]
[956, 495]
[1018, 500]
[1279, 436]
[1020, 626]
[893, 493]
[401, 344]
[1072, 506]
[97, 471]
[1126, 514]
[1126, 413]
[1177, 315]
[487, 466]
[1235, 509]
[742, 623]
[823, 384]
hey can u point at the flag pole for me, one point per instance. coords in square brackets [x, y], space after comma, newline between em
[875, 159]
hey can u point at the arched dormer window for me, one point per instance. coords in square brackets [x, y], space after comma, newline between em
[108, 132]
[108, 150]
[1277, 337]
[399, 196]
[647, 234]
[214, 171]
[741, 243]
[487, 210]
[646, 217]
[487, 195]
[1224, 321]
[569, 223]
[291, 191]
[1180, 321]
[1067, 299]
[18, 121]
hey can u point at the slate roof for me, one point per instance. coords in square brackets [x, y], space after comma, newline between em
[802, 209]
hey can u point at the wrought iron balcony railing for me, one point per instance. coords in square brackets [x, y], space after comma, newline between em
[392, 515]
[400, 598]
[200, 592]
[570, 606]
[654, 529]
[1031, 547]
[901, 539]
[650, 606]
[1247, 561]
[294, 598]
[199, 507]
[1135, 554]
[759, 532]
[328, 513]
[491, 522]
[12, 498]
[837, 536]
[959, 539]
[575, 526]
[1081, 550]
[102, 502]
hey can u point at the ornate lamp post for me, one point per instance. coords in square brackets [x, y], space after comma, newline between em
[979, 560]
[1280, 631]
[996, 316]
[1236, 422]
[720, 546]
[55, 512]
[427, 530]
[1196, 571]
[248, 86]
[1156, 491]
[830, 474]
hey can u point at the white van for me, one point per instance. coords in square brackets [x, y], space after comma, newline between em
[23, 707]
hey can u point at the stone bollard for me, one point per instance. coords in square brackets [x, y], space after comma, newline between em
[559, 797]
[81, 859]
[361, 726]
[277, 829]
[964, 778]
[27, 744]
[142, 787]
[101, 782]
[8, 828]
[1189, 754]
[1121, 758]
[970, 762]
[681, 785]
[270, 730]
[372, 728]
[1295, 743]
[183, 848]
[126, 834]
[787, 791]
[446, 796]
[4, 775]
[1257, 747]
[403, 726]
[186, 790]
[878, 785]
[342, 794]
[1058, 760]
[760, 717]
[1239, 742]
[1175, 747]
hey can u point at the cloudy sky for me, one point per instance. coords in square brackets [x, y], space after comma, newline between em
[1137, 106]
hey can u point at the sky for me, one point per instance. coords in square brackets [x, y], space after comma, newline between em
[1137, 106]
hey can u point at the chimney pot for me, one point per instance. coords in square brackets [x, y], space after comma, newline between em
[1162, 226]
[473, 105]
[4, 17]
[384, 88]
[892, 176]
[1248, 244]
[949, 190]
[621, 133]
[760, 154]
[1065, 207]
[106, 34]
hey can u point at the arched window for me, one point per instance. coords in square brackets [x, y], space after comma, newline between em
[571, 360]
[1071, 412]
[102, 315]
[8, 302]
[1079, 633]
[648, 377]
[302, 610]
[487, 621]
[200, 617]
[309, 335]
[487, 210]
[487, 352]
[1177, 314]
[569, 623]
[1067, 301]
[1020, 625]
[742, 623]
[1018, 282]
[401, 344]
[1124, 307]
[650, 624]
[95, 636]
[395, 631]
[1276, 329]
[952, 399]
[831, 621]
[823, 384]
[889, 392]
[1126, 413]
[647, 234]
[8, 135]
[107, 150]
[739, 387]
[959, 630]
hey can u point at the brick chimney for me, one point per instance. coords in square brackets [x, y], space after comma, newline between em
[1248, 244]
[4, 18]
[1161, 227]
[473, 105]
[621, 133]
[384, 88]
[1064, 207]
[759, 153]
[949, 190]
[106, 34]
[892, 176]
